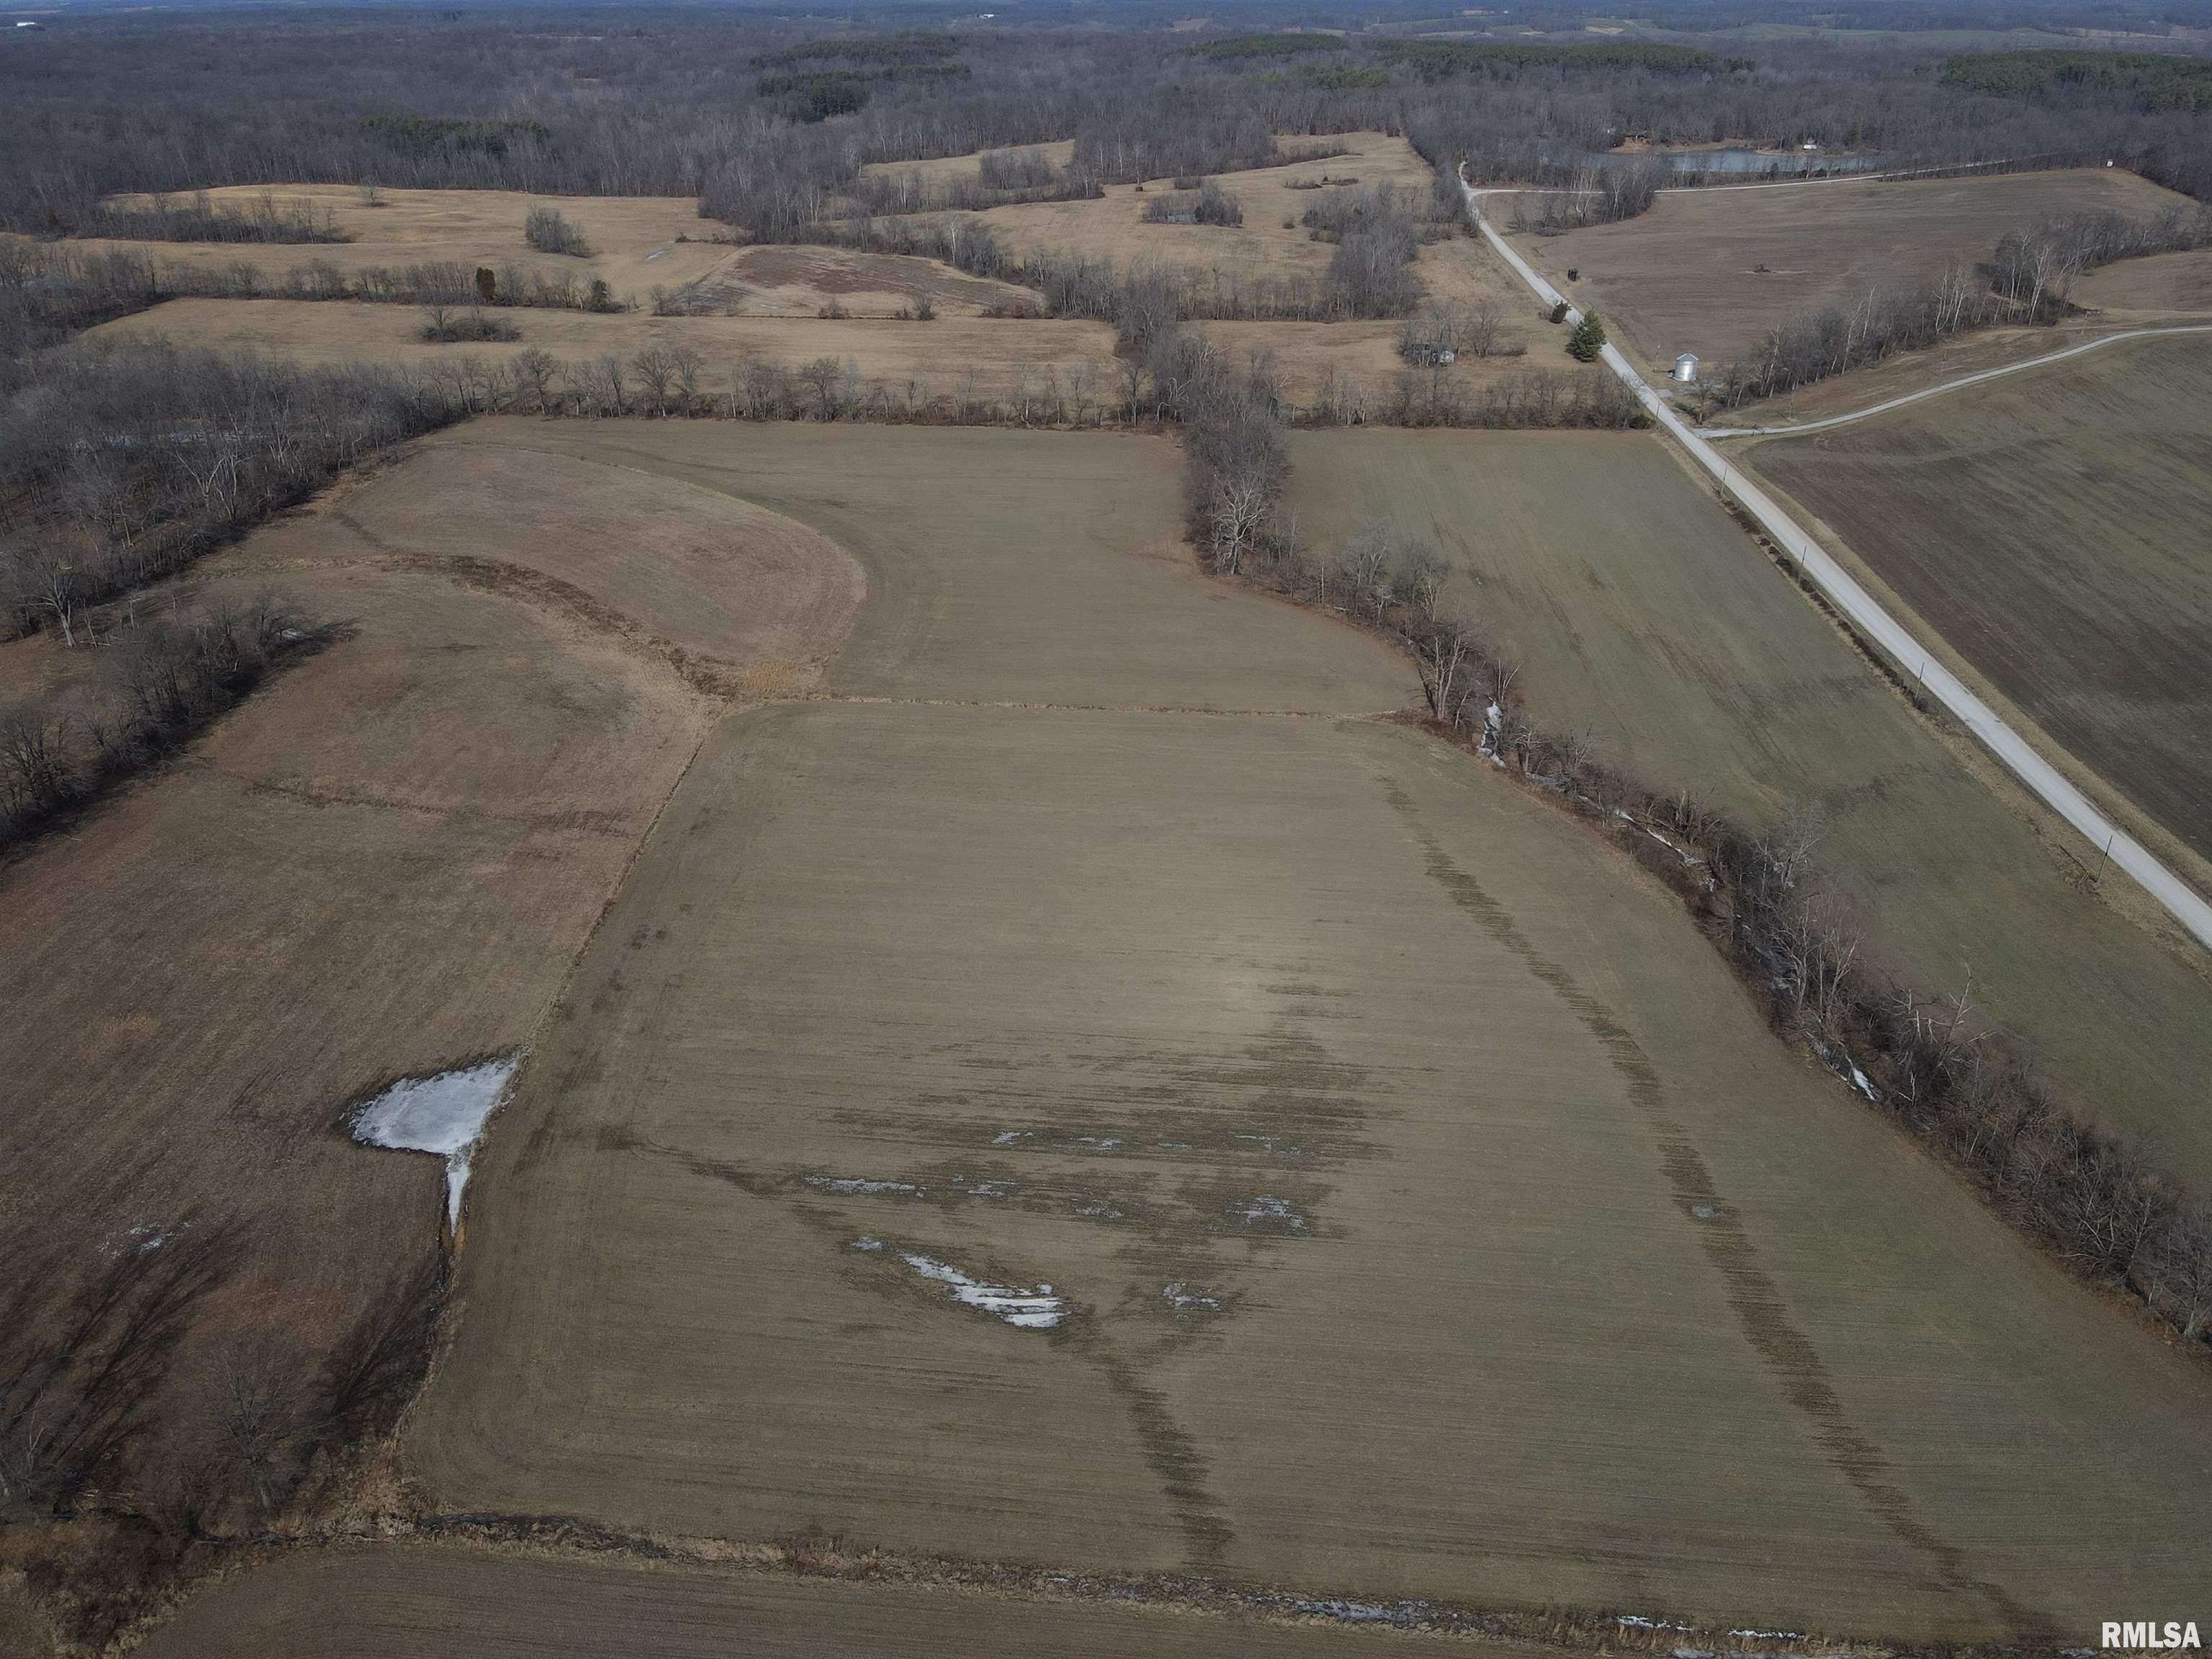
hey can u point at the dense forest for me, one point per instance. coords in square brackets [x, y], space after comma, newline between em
[766, 120]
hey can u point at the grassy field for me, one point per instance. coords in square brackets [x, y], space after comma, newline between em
[383, 864]
[1087, 933]
[1272, 242]
[1686, 276]
[2050, 527]
[1056, 364]
[1646, 619]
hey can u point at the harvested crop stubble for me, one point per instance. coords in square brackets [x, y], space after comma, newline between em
[381, 867]
[2046, 525]
[1710, 270]
[1625, 595]
[1132, 968]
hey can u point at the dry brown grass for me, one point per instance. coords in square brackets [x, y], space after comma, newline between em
[952, 355]
[1685, 276]
[2142, 290]
[939, 171]
[998, 361]
[633, 239]
[1462, 271]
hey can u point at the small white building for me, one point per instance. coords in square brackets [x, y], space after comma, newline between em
[1685, 367]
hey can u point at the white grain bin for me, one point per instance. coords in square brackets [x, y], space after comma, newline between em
[1685, 367]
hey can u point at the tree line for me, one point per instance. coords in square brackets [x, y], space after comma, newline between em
[121, 464]
[459, 100]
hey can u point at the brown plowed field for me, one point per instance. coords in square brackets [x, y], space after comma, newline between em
[2052, 527]
[1686, 276]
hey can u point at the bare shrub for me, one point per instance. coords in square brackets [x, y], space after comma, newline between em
[548, 231]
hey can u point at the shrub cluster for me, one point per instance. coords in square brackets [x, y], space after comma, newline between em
[547, 230]
[1204, 203]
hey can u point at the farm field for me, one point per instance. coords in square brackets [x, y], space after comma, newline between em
[1088, 933]
[1686, 276]
[1460, 269]
[2163, 285]
[1063, 366]
[2049, 528]
[370, 1603]
[382, 864]
[1646, 620]
[635, 240]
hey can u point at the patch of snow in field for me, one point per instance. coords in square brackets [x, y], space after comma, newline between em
[991, 1190]
[139, 1240]
[1859, 1082]
[1636, 1621]
[1098, 1209]
[864, 1243]
[1362, 1613]
[1036, 1310]
[443, 1114]
[1704, 1212]
[1771, 1635]
[1102, 1142]
[1182, 1298]
[862, 1184]
[1008, 1136]
[1268, 1207]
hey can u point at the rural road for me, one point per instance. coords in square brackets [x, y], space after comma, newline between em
[1947, 386]
[2180, 900]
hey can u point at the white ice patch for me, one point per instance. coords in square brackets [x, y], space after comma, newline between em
[864, 1243]
[1102, 1142]
[863, 1184]
[443, 1114]
[1771, 1635]
[1182, 1298]
[1859, 1082]
[1267, 1207]
[991, 1190]
[1036, 1310]
[1636, 1621]
[1493, 721]
[1008, 1136]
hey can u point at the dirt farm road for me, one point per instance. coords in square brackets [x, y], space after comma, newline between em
[1963, 381]
[2019, 756]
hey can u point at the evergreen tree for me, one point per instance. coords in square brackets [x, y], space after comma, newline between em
[1588, 339]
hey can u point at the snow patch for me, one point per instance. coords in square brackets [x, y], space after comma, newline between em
[1268, 1207]
[443, 1114]
[1102, 1142]
[1183, 1298]
[1008, 1136]
[1033, 1310]
[862, 1184]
